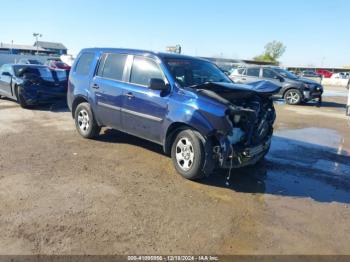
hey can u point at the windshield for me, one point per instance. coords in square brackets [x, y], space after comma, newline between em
[34, 62]
[42, 72]
[285, 73]
[192, 72]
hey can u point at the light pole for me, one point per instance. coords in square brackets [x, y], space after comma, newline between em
[37, 35]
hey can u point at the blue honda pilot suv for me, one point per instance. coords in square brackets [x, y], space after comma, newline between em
[186, 104]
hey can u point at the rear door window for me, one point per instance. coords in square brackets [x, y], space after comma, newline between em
[143, 70]
[240, 71]
[268, 73]
[255, 72]
[84, 64]
[112, 66]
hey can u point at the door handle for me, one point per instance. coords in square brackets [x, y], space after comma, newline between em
[95, 86]
[129, 95]
[243, 78]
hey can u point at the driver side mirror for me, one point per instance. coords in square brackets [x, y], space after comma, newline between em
[6, 74]
[157, 84]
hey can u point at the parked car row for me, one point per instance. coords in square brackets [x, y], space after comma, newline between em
[322, 73]
[310, 73]
[294, 89]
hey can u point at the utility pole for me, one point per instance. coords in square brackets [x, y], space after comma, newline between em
[37, 35]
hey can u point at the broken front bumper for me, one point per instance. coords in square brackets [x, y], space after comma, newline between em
[311, 95]
[243, 156]
[44, 96]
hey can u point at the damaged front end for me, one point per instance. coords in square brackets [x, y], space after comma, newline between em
[251, 114]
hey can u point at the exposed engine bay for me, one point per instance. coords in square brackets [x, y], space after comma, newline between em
[251, 114]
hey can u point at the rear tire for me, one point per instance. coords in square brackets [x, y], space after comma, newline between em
[293, 97]
[188, 154]
[85, 122]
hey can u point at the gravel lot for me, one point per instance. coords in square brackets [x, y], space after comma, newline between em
[61, 194]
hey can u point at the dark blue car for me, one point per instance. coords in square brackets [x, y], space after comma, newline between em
[187, 105]
[32, 84]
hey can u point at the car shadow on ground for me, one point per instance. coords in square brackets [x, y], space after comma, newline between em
[329, 104]
[108, 135]
[56, 106]
[291, 169]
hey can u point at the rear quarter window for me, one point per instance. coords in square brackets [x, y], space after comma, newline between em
[253, 72]
[84, 63]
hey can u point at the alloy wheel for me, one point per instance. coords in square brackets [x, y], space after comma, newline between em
[83, 120]
[292, 97]
[184, 154]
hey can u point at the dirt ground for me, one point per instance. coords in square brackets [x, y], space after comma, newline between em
[61, 194]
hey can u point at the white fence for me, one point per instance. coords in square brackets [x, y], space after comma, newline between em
[335, 82]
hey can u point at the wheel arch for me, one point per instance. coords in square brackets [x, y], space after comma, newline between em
[289, 88]
[171, 133]
[78, 100]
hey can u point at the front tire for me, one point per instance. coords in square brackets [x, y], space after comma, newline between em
[293, 97]
[85, 122]
[188, 154]
[20, 99]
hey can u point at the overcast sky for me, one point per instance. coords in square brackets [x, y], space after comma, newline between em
[315, 32]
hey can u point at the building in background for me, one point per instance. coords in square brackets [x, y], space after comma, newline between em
[39, 48]
[21, 49]
[52, 47]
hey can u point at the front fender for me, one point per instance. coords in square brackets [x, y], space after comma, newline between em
[191, 118]
[203, 115]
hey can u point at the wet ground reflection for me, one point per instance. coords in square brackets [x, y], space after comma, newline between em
[301, 163]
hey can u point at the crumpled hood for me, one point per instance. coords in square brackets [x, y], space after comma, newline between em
[232, 91]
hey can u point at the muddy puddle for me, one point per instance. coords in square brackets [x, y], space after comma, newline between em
[308, 163]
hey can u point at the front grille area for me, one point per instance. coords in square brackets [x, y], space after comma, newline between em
[258, 126]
